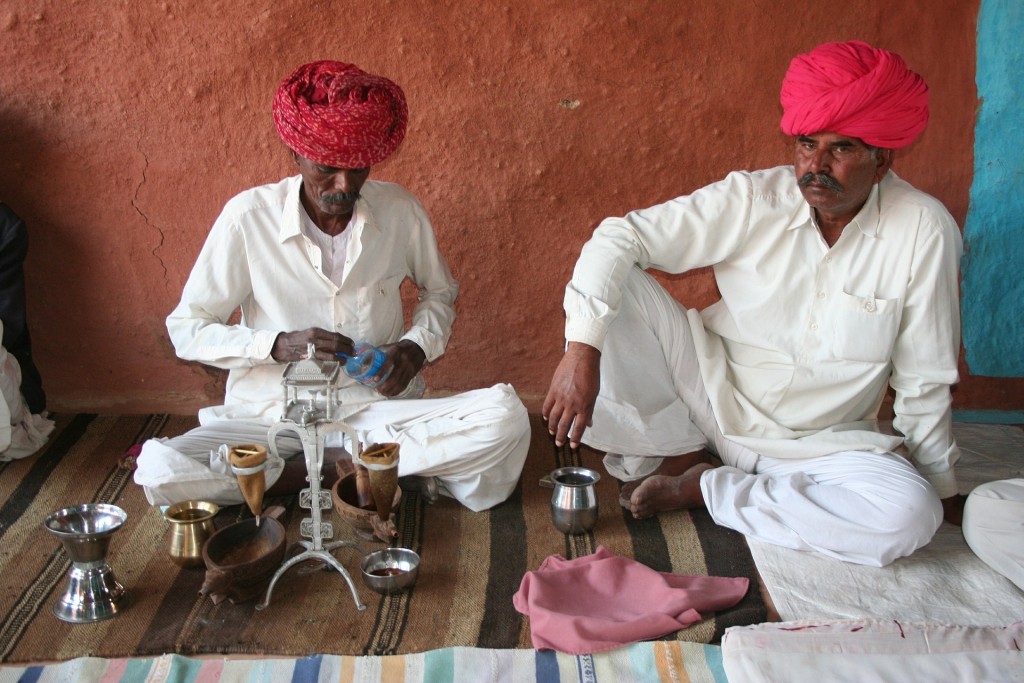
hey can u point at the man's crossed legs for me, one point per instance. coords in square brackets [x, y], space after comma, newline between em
[654, 421]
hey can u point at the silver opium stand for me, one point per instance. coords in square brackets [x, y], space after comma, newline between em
[312, 424]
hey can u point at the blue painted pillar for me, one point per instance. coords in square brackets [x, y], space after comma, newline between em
[993, 263]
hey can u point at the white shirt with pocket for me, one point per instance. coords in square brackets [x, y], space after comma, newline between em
[797, 353]
[258, 259]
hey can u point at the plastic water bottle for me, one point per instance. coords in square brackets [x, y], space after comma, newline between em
[365, 365]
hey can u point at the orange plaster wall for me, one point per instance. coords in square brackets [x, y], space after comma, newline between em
[125, 126]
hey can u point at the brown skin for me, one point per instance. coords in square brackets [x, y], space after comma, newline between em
[853, 168]
[569, 404]
[321, 187]
[665, 492]
[850, 169]
[953, 509]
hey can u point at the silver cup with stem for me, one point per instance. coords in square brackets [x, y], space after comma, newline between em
[92, 592]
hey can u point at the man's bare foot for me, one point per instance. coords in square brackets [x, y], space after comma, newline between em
[670, 467]
[661, 492]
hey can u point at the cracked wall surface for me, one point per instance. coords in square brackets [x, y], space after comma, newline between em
[125, 127]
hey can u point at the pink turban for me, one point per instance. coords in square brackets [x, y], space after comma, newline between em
[855, 90]
[338, 115]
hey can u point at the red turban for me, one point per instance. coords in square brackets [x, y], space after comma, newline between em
[338, 115]
[855, 90]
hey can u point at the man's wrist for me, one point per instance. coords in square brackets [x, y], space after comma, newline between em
[414, 351]
[582, 350]
[265, 344]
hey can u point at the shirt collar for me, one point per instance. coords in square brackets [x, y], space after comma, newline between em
[291, 220]
[866, 219]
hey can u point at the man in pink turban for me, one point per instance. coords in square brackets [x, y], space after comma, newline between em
[312, 266]
[855, 90]
[838, 280]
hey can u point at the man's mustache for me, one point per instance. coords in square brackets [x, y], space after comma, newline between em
[340, 197]
[822, 179]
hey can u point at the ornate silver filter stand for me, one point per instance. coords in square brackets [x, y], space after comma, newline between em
[312, 422]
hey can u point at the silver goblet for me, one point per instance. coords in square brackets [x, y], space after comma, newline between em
[92, 592]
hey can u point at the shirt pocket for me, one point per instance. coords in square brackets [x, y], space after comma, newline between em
[864, 327]
[380, 310]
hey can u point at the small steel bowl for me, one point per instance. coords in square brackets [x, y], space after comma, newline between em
[390, 570]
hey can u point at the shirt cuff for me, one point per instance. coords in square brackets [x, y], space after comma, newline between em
[262, 344]
[588, 332]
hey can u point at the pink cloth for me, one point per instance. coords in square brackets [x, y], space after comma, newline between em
[856, 90]
[603, 601]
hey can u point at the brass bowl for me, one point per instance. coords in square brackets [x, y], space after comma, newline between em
[191, 526]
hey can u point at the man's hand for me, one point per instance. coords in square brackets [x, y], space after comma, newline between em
[569, 405]
[291, 346]
[953, 509]
[406, 359]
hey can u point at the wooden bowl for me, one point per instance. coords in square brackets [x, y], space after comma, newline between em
[241, 557]
[343, 493]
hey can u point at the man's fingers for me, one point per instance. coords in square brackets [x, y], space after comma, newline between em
[565, 425]
[546, 407]
[579, 426]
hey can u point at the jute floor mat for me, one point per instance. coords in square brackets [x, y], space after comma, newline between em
[472, 563]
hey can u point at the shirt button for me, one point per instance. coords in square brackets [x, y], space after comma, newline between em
[814, 327]
[821, 295]
[828, 259]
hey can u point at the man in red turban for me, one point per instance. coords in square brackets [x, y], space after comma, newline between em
[338, 115]
[314, 264]
[838, 280]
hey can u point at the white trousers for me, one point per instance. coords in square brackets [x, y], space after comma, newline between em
[994, 526]
[866, 508]
[475, 443]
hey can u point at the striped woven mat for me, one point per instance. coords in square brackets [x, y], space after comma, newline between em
[472, 563]
[657, 662]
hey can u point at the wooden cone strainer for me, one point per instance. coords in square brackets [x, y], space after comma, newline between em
[381, 462]
[249, 463]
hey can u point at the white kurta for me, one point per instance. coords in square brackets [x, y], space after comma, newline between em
[863, 507]
[258, 259]
[21, 432]
[797, 353]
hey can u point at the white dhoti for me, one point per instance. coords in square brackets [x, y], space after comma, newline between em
[861, 507]
[994, 526]
[474, 443]
[22, 433]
